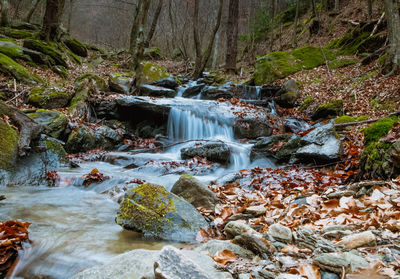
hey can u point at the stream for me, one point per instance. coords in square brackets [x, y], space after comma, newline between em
[73, 227]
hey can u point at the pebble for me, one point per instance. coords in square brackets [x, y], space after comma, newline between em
[366, 238]
[280, 233]
[256, 210]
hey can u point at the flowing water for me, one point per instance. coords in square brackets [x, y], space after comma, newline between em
[73, 227]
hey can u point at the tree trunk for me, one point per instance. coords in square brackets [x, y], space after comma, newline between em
[4, 13]
[202, 59]
[137, 45]
[271, 33]
[154, 23]
[52, 19]
[336, 9]
[370, 9]
[392, 63]
[16, 11]
[32, 10]
[71, 9]
[296, 19]
[314, 9]
[232, 31]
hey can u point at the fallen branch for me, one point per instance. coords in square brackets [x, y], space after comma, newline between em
[397, 113]
[352, 22]
[326, 61]
[377, 24]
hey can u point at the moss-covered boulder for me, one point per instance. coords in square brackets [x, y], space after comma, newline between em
[61, 71]
[11, 48]
[289, 94]
[120, 83]
[53, 122]
[55, 148]
[76, 47]
[277, 65]
[8, 147]
[48, 98]
[153, 72]
[305, 105]
[9, 67]
[152, 53]
[328, 110]
[15, 33]
[99, 83]
[49, 49]
[341, 62]
[376, 161]
[155, 212]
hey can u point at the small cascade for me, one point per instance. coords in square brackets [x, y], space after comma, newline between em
[187, 125]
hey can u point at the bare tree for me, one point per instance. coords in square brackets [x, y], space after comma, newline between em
[296, 19]
[4, 13]
[32, 10]
[52, 19]
[70, 13]
[370, 9]
[392, 63]
[202, 58]
[154, 23]
[336, 8]
[232, 32]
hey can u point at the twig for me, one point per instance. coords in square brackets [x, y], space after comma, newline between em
[365, 121]
[326, 61]
[16, 96]
[377, 24]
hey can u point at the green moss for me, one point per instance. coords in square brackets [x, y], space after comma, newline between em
[48, 98]
[11, 49]
[79, 98]
[100, 83]
[8, 146]
[276, 65]
[331, 109]
[341, 62]
[345, 119]
[52, 121]
[9, 67]
[15, 33]
[152, 53]
[379, 129]
[153, 72]
[306, 103]
[350, 43]
[76, 47]
[61, 71]
[55, 57]
[3, 96]
[57, 149]
[362, 117]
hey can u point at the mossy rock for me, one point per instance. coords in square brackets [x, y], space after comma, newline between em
[53, 122]
[61, 71]
[81, 139]
[76, 47]
[307, 103]
[56, 57]
[11, 49]
[57, 149]
[152, 53]
[155, 212]
[8, 147]
[48, 98]
[98, 81]
[153, 72]
[16, 33]
[120, 83]
[345, 119]
[379, 129]
[329, 110]
[277, 65]
[262, 148]
[341, 62]
[9, 67]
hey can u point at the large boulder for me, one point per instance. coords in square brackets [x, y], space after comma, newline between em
[76, 47]
[320, 146]
[192, 91]
[11, 48]
[9, 67]
[289, 94]
[55, 56]
[8, 147]
[153, 72]
[217, 152]
[53, 122]
[328, 110]
[155, 212]
[15, 33]
[120, 83]
[168, 82]
[264, 147]
[195, 192]
[176, 264]
[156, 91]
[214, 93]
[48, 98]
[253, 128]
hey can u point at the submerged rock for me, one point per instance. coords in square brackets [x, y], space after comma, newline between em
[195, 192]
[155, 212]
[215, 152]
[192, 91]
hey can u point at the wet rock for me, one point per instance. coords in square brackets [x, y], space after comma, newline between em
[321, 145]
[192, 91]
[132, 264]
[214, 93]
[252, 242]
[256, 211]
[156, 91]
[288, 95]
[329, 110]
[329, 275]
[331, 262]
[280, 233]
[252, 128]
[48, 98]
[262, 148]
[215, 246]
[175, 264]
[195, 192]
[53, 122]
[130, 104]
[366, 238]
[168, 82]
[215, 152]
[120, 83]
[155, 212]
[235, 228]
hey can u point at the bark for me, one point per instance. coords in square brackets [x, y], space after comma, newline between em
[71, 9]
[137, 44]
[202, 59]
[32, 11]
[271, 38]
[154, 23]
[232, 30]
[4, 13]
[296, 19]
[392, 63]
[314, 9]
[370, 9]
[336, 9]
[52, 20]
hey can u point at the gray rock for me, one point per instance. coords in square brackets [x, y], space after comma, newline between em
[331, 262]
[175, 264]
[192, 91]
[168, 82]
[156, 91]
[266, 274]
[235, 228]
[120, 83]
[355, 260]
[252, 128]
[155, 212]
[215, 246]
[52, 122]
[215, 152]
[256, 210]
[133, 265]
[280, 233]
[262, 148]
[329, 275]
[306, 238]
[195, 192]
[252, 242]
[214, 93]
